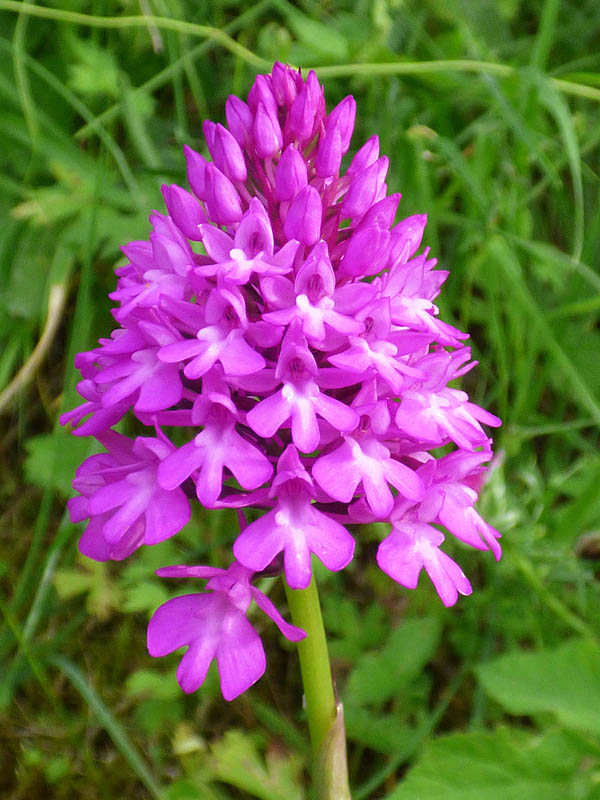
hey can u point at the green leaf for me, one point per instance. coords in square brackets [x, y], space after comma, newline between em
[145, 596]
[564, 681]
[508, 764]
[385, 733]
[382, 673]
[103, 595]
[52, 459]
[149, 682]
[239, 763]
[95, 70]
[358, 629]
[318, 37]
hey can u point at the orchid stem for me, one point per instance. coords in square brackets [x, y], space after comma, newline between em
[314, 662]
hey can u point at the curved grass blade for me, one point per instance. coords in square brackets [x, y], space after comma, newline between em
[110, 724]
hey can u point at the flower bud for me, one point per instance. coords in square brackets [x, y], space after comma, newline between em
[284, 83]
[307, 111]
[329, 156]
[367, 155]
[367, 251]
[185, 211]
[406, 237]
[239, 119]
[267, 133]
[196, 168]
[303, 221]
[226, 152]
[261, 92]
[290, 175]
[223, 202]
[343, 116]
[366, 189]
[383, 212]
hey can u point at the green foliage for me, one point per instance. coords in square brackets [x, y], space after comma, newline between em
[496, 698]
[52, 459]
[237, 761]
[564, 681]
[508, 764]
[388, 671]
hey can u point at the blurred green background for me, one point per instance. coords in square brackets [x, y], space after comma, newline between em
[495, 699]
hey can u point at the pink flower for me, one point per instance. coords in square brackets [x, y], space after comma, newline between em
[214, 626]
[282, 326]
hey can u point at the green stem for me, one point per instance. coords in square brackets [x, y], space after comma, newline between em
[314, 662]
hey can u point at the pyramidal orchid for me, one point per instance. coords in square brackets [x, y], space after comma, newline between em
[279, 339]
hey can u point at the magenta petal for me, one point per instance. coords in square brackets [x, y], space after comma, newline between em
[117, 525]
[296, 559]
[269, 415]
[194, 664]
[218, 244]
[240, 656]
[179, 351]
[397, 559]
[305, 428]
[330, 541]
[447, 577]
[342, 417]
[210, 480]
[78, 508]
[176, 623]
[338, 474]
[290, 632]
[92, 543]
[238, 358]
[160, 390]
[249, 466]
[259, 543]
[179, 465]
[110, 496]
[166, 514]
[403, 478]
[378, 493]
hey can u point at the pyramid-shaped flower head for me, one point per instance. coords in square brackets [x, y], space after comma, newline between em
[279, 339]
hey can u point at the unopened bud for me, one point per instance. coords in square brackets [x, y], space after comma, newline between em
[290, 175]
[303, 221]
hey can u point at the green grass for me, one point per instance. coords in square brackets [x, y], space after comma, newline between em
[489, 113]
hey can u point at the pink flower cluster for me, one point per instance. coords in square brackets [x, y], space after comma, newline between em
[278, 336]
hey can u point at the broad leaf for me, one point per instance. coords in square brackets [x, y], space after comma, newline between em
[508, 764]
[564, 681]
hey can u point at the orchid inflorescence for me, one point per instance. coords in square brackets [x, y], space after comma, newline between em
[281, 327]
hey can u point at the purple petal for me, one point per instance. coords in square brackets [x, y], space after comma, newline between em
[177, 467]
[305, 429]
[238, 358]
[290, 632]
[194, 665]
[269, 415]
[250, 467]
[296, 559]
[183, 571]
[330, 541]
[338, 474]
[403, 478]
[166, 514]
[177, 622]
[240, 656]
[259, 543]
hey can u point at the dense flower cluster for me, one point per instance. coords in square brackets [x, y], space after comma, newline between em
[282, 330]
